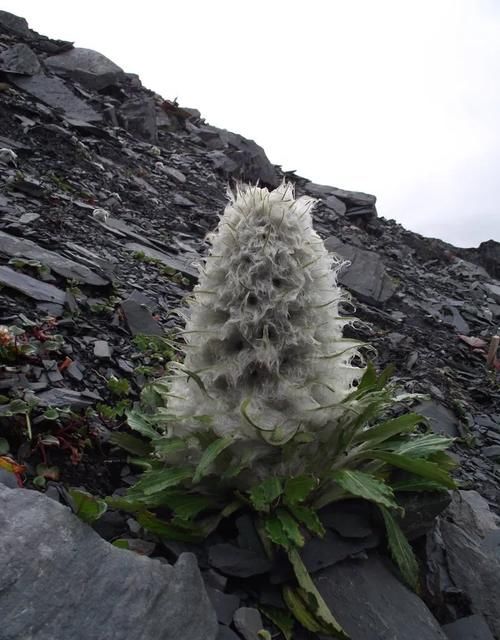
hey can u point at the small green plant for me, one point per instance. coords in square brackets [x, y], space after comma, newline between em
[119, 386]
[158, 349]
[270, 411]
[113, 412]
[22, 263]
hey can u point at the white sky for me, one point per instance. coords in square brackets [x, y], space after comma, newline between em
[398, 98]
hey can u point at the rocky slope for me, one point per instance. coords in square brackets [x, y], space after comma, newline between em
[106, 193]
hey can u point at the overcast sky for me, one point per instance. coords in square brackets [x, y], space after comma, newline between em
[398, 98]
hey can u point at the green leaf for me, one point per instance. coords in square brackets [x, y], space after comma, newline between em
[156, 481]
[187, 506]
[300, 610]
[166, 530]
[265, 493]
[138, 422]
[320, 611]
[244, 412]
[369, 379]
[51, 414]
[210, 455]
[423, 468]
[121, 543]
[422, 446]
[290, 527]
[297, 489]
[274, 529]
[416, 483]
[281, 619]
[365, 486]
[309, 518]
[401, 550]
[87, 507]
[165, 446]
[130, 443]
[124, 504]
[389, 429]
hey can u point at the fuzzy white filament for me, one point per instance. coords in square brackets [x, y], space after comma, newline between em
[263, 333]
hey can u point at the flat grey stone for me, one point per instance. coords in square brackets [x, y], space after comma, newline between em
[21, 248]
[248, 622]
[178, 262]
[86, 66]
[470, 628]
[31, 287]
[139, 319]
[61, 397]
[463, 554]
[370, 603]
[233, 561]
[102, 349]
[441, 419]
[319, 553]
[336, 205]
[27, 218]
[55, 93]
[225, 604]
[493, 290]
[492, 451]
[19, 59]
[365, 276]
[225, 633]
[59, 579]
[8, 479]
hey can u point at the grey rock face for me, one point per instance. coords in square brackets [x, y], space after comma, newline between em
[441, 419]
[86, 66]
[463, 555]
[14, 24]
[370, 602]
[19, 59]
[56, 94]
[60, 580]
[366, 276]
[139, 319]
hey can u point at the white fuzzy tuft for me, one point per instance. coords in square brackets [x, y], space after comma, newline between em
[263, 333]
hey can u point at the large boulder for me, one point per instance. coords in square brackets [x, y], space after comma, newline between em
[59, 580]
[86, 66]
[19, 59]
[463, 558]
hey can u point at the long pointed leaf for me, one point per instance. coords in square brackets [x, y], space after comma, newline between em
[401, 550]
[420, 467]
[403, 424]
[210, 455]
[365, 486]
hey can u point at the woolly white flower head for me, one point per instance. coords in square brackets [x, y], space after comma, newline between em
[263, 332]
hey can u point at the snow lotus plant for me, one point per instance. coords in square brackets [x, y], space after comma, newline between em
[269, 408]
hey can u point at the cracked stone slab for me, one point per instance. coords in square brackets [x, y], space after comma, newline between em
[31, 287]
[177, 262]
[19, 59]
[59, 579]
[86, 66]
[21, 248]
[366, 276]
[55, 93]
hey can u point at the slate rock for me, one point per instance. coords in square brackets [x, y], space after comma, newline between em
[139, 319]
[225, 604]
[8, 479]
[233, 561]
[62, 397]
[19, 59]
[21, 248]
[60, 580]
[139, 117]
[492, 451]
[336, 205]
[14, 24]
[470, 628]
[178, 262]
[493, 290]
[102, 349]
[366, 276]
[319, 553]
[370, 603]
[349, 518]
[55, 93]
[88, 67]
[31, 287]
[225, 633]
[441, 419]
[464, 558]
[248, 622]
[420, 511]
[352, 197]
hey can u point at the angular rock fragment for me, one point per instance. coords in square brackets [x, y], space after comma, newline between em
[62, 571]
[21, 248]
[469, 628]
[441, 419]
[14, 24]
[31, 287]
[366, 276]
[139, 319]
[233, 561]
[19, 59]
[370, 602]
[139, 117]
[55, 93]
